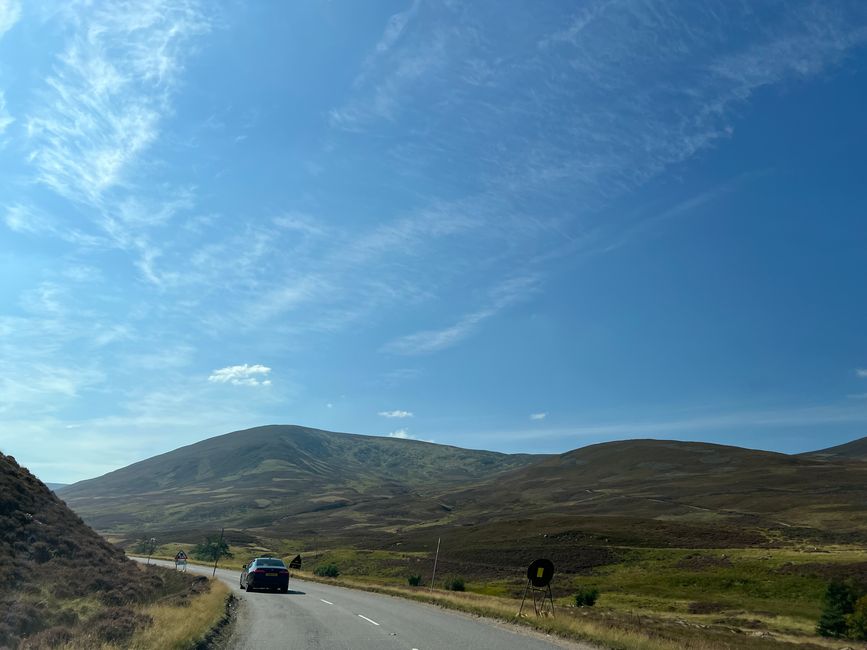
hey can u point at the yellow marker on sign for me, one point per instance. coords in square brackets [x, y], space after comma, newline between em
[540, 572]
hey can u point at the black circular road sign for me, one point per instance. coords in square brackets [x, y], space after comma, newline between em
[540, 572]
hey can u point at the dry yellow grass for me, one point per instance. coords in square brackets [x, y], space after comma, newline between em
[177, 628]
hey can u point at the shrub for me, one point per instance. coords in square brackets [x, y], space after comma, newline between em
[327, 571]
[454, 583]
[145, 546]
[212, 549]
[857, 620]
[414, 581]
[586, 596]
[837, 604]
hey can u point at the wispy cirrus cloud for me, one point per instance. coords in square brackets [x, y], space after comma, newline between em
[101, 109]
[861, 373]
[501, 297]
[396, 25]
[396, 414]
[538, 416]
[5, 118]
[242, 375]
[108, 94]
[10, 13]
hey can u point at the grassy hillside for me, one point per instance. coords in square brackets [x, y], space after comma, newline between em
[295, 482]
[681, 482]
[61, 583]
[855, 450]
[273, 474]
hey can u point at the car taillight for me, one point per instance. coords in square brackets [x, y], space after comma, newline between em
[259, 571]
[283, 571]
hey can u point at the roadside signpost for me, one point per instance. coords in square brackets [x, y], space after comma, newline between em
[181, 561]
[539, 575]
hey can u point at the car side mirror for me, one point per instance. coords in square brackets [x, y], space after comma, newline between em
[244, 567]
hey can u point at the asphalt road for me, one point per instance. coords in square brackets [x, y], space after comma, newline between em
[314, 616]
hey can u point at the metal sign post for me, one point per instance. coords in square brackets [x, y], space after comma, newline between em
[539, 575]
[181, 561]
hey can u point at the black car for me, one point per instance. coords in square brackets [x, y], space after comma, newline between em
[265, 573]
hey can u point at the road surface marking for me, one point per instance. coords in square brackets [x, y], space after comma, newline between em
[368, 620]
[325, 601]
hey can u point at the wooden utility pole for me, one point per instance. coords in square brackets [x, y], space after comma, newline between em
[219, 552]
[436, 557]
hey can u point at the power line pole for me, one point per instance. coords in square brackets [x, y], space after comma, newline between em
[436, 557]
[219, 552]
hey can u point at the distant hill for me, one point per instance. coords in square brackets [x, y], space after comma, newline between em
[271, 474]
[294, 482]
[51, 564]
[54, 487]
[684, 481]
[855, 450]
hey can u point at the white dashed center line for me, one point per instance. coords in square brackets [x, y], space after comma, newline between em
[325, 601]
[368, 620]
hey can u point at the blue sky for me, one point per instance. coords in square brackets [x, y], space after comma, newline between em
[512, 226]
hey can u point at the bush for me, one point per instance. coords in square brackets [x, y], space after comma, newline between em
[414, 581]
[327, 571]
[212, 549]
[586, 596]
[857, 620]
[838, 604]
[454, 583]
[145, 546]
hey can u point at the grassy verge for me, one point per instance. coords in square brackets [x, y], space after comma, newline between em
[177, 627]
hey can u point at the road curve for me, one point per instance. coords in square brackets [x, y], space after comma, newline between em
[314, 616]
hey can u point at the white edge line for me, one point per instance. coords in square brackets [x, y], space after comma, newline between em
[368, 619]
[326, 602]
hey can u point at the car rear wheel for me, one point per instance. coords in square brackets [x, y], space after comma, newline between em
[284, 589]
[249, 586]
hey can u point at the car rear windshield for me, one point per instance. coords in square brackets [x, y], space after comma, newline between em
[274, 563]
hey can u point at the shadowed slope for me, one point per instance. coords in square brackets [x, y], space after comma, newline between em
[59, 580]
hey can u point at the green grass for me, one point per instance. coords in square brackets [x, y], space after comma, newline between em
[753, 590]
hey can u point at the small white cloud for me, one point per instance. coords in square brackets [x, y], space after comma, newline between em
[244, 375]
[404, 434]
[396, 414]
[329, 405]
[861, 372]
[538, 416]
